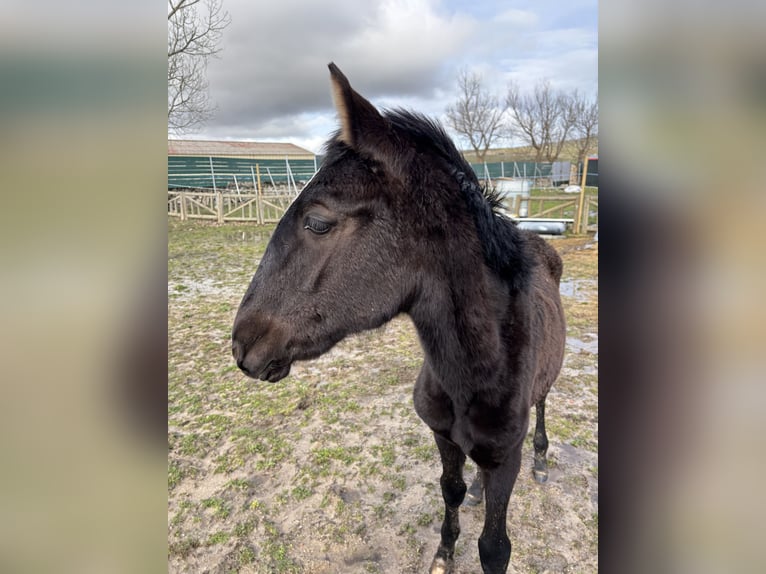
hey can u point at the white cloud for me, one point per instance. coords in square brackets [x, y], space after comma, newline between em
[271, 81]
[518, 18]
[566, 57]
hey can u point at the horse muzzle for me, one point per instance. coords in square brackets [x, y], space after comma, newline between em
[258, 347]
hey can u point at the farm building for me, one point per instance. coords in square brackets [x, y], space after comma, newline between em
[236, 164]
[591, 178]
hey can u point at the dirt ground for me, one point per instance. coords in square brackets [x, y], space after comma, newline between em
[331, 470]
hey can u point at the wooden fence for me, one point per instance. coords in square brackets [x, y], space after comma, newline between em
[224, 206]
[262, 208]
[590, 210]
[558, 207]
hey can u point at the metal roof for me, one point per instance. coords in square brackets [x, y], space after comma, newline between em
[235, 148]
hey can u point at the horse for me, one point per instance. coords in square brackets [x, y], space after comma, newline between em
[395, 221]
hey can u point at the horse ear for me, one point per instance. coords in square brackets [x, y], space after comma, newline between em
[362, 127]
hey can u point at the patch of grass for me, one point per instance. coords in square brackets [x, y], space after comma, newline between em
[276, 551]
[220, 510]
[179, 516]
[324, 456]
[243, 529]
[574, 430]
[424, 519]
[581, 442]
[301, 492]
[175, 474]
[177, 519]
[248, 433]
[425, 452]
[579, 262]
[270, 448]
[189, 445]
[382, 510]
[184, 546]
[409, 531]
[216, 424]
[228, 462]
[385, 453]
[245, 556]
[239, 484]
[220, 537]
[398, 481]
[581, 317]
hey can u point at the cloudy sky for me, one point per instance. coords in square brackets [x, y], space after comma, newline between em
[271, 80]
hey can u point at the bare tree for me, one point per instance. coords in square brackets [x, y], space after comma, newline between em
[195, 29]
[585, 127]
[544, 119]
[477, 115]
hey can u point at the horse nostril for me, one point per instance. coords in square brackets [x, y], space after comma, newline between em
[237, 351]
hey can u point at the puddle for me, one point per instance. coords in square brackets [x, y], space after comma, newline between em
[579, 289]
[583, 346]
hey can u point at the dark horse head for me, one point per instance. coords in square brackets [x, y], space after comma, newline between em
[364, 238]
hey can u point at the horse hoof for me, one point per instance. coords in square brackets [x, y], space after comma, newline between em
[441, 566]
[472, 499]
[541, 476]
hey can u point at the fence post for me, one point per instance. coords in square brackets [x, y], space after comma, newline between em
[256, 185]
[578, 223]
[219, 206]
[182, 197]
[259, 191]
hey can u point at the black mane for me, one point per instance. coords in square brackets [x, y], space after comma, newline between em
[503, 244]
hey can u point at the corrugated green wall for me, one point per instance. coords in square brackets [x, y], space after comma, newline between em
[521, 169]
[195, 171]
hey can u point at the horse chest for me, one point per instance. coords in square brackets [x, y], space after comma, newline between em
[479, 435]
[487, 442]
[462, 434]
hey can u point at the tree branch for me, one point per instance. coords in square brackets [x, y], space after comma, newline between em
[195, 30]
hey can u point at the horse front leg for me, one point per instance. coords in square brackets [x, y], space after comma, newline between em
[475, 493]
[453, 492]
[494, 545]
[540, 469]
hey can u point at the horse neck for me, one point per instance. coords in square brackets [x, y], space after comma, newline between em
[459, 317]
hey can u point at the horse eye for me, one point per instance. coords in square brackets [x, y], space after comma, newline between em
[316, 225]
